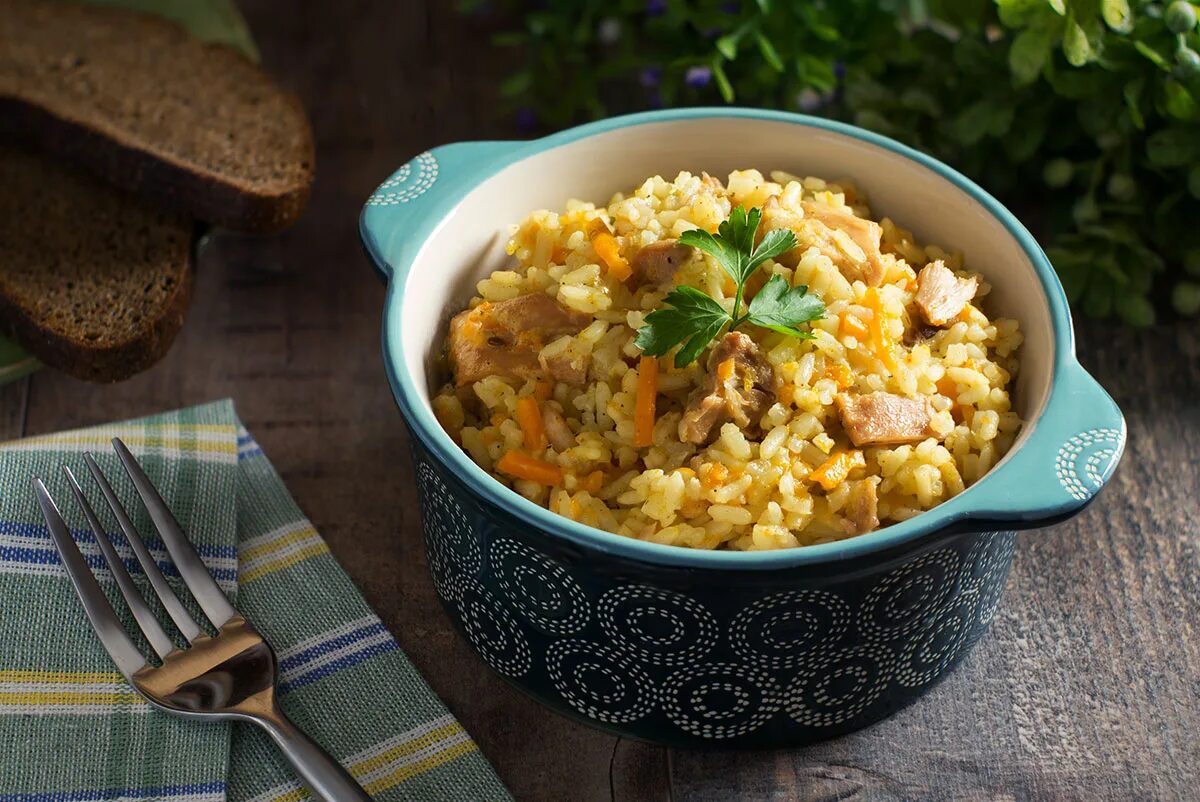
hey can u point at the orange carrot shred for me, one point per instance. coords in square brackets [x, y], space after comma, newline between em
[542, 390]
[529, 415]
[833, 471]
[947, 387]
[593, 482]
[609, 252]
[522, 466]
[851, 324]
[647, 399]
[879, 340]
[841, 375]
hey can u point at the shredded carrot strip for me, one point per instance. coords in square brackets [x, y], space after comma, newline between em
[786, 394]
[608, 251]
[833, 471]
[948, 388]
[729, 287]
[542, 390]
[523, 466]
[879, 340]
[851, 324]
[715, 475]
[529, 415]
[498, 418]
[841, 375]
[647, 398]
[725, 370]
[593, 482]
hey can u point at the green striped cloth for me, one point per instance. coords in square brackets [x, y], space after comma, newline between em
[72, 730]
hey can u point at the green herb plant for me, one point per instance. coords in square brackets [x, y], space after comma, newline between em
[692, 319]
[1084, 115]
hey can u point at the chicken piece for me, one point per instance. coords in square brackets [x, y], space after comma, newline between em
[557, 431]
[567, 368]
[503, 338]
[883, 418]
[862, 507]
[863, 233]
[658, 262]
[741, 385]
[941, 295]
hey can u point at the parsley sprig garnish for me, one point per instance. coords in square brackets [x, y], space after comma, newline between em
[691, 319]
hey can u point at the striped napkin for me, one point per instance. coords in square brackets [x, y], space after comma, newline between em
[72, 730]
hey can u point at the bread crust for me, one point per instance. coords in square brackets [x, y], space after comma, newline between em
[175, 186]
[43, 107]
[110, 363]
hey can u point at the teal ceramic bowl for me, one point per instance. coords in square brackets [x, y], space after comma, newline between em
[688, 647]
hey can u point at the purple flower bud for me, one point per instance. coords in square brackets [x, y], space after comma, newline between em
[839, 69]
[654, 99]
[650, 76]
[697, 77]
[526, 119]
[656, 8]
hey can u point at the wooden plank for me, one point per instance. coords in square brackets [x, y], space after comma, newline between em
[1086, 686]
[14, 399]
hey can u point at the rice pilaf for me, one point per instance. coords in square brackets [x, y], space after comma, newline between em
[556, 418]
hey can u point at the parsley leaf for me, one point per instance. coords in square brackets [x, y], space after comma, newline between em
[691, 319]
[779, 307]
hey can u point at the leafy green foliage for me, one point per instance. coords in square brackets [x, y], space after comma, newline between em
[781, 308]
[1102, 96]
[691, 319]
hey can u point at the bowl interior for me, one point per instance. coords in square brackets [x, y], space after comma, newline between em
[469, 244]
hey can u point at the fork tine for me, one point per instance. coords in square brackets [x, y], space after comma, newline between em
[141, 612]
[174, 607]
[191, 568]
[108, 627]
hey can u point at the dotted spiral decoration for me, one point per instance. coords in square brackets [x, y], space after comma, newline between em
[781, 629]
[720, 700]
[834, 687]
[599, 682]
[645, 657]
[1084, 461]
[992, 588]
[932, 650]
[658, 626]
[539, 589]
[409, 182]
[447, 529]
[493, 632]
[902, 601]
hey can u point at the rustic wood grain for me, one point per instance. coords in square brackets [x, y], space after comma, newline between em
[1086, 688]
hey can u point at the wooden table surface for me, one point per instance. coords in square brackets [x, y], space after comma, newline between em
[1087, 686]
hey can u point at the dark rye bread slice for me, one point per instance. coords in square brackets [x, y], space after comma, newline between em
[93, 281]
[136, 100]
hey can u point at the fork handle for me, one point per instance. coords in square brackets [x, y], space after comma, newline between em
[323, 775]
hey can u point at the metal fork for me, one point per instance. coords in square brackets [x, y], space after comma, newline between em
[230, 675]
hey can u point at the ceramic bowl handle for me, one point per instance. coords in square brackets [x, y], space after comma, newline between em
[405, 208]
[1079, 441]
